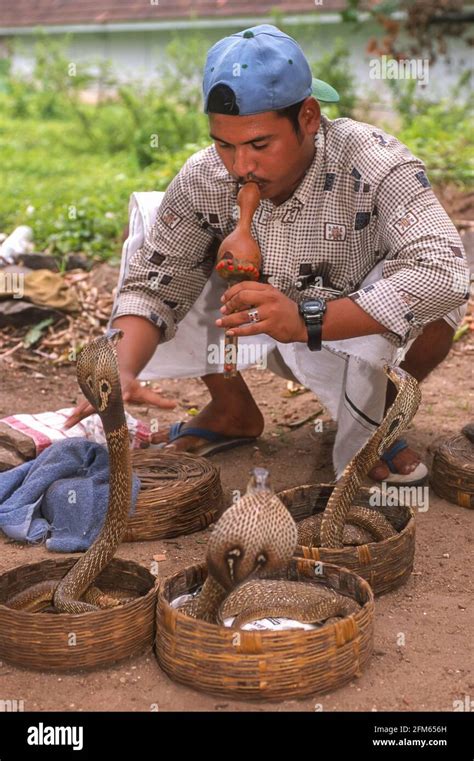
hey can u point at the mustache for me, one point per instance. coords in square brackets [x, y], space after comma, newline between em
[250, 178]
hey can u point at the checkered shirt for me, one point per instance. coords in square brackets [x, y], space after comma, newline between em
[364, 198]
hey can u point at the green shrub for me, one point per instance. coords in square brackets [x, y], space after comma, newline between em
[439, 133]
[334, 68]
[69, 167]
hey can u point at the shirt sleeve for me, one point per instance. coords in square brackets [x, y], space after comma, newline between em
[425, 274]
[167, 274]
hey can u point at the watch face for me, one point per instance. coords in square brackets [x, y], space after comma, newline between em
[313, 306]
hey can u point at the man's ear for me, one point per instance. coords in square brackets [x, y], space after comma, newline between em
[310, 116]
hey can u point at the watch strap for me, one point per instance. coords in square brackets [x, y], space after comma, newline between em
[315, 331]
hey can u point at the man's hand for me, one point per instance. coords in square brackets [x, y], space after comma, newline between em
[279, 316]
[133, 393]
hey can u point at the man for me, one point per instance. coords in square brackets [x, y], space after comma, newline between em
[357, 253]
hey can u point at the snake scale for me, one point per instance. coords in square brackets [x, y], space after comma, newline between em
[245, 550]
[98, 377]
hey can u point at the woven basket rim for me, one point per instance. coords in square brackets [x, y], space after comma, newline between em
[266, 634]
[122, 564]
[364, 489]
[382, 543]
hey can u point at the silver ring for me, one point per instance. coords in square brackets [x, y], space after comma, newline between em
[253, 315]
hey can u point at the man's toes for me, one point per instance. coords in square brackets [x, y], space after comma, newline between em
[183, 444]
[405, 468]
[406, 462]
[158, 438]
[380, 471]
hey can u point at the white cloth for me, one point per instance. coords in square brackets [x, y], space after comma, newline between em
[47, 427]
[346, 376]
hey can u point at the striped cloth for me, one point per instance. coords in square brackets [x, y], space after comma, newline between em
[46, 427]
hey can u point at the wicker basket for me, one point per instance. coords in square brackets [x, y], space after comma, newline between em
[268, 665]
[452, 472]
[180, 493]
[386, 564]
[65, 642]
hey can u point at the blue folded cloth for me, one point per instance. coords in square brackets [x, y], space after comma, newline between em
[60, 497]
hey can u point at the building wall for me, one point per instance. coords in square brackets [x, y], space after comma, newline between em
[141, 54]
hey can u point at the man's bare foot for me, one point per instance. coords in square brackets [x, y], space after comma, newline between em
[404, 461]
[243, 420]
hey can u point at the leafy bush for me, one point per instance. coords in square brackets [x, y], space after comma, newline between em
[74, 199]
[69, 167]
[334, 68]
[440, 133]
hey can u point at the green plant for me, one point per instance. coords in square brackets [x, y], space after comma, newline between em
[181, 73]
[440, 133]
[54, 82]
[69, 167]
[333, 67]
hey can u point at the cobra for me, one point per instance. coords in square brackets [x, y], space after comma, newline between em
[249, 549]
[98, 377]
[397, 418]
[256, 536]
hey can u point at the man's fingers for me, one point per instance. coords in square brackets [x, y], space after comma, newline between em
[158, 401]
[254, 329]
[245, 299]
[84, 409]
[247, 285]
[144, 395]
[236, 318]
[138, 395]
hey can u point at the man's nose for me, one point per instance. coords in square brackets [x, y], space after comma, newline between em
[243, 163]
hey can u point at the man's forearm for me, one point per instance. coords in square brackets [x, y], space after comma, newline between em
[345, 319]
[140, 339]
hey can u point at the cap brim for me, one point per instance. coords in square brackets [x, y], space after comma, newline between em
[324, 92]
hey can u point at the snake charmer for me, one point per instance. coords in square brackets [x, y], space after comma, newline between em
[360, 264]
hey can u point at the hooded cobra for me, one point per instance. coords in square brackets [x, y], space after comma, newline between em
[98, 377]
[397, 418]
[252, 541]
[255, 537]
[341, 524]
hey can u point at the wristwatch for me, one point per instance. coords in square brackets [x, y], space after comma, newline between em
[312, 312]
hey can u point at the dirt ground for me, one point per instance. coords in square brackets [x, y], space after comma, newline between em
[434, 610]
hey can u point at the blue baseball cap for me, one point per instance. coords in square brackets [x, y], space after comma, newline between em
[265, 68]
